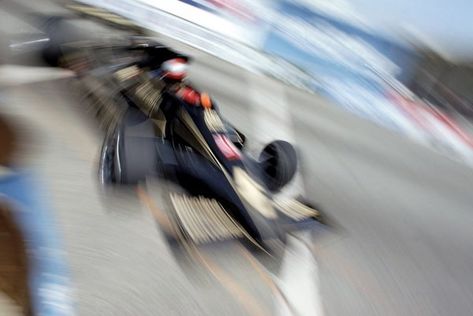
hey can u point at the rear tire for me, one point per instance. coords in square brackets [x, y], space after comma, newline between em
[107, 159]
[137, 156]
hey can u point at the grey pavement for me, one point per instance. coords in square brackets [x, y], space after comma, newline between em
[401, 241]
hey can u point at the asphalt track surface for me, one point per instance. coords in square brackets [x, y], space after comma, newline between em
[401, 241]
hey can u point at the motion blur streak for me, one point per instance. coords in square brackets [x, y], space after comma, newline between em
[246, 300]
[159, 215]
[236, 157]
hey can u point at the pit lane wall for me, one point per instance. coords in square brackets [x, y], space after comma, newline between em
[311, 49]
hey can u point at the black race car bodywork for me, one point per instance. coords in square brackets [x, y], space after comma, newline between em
[168, 130]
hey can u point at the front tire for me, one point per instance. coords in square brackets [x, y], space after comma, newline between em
[278, 160]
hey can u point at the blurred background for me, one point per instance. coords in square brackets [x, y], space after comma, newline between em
[377, 96]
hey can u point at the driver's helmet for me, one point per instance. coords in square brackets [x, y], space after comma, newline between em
[174, 69]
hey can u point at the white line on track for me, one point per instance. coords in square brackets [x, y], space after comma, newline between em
[298, 280]
[11, 75]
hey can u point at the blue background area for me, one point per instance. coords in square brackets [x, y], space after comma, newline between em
[354, 87]
[403, 56]
[49, 275]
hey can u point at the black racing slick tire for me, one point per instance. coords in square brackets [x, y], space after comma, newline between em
[107, 158]
[136, 156]
[278, 161]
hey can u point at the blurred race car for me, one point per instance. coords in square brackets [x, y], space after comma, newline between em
[160, 126]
